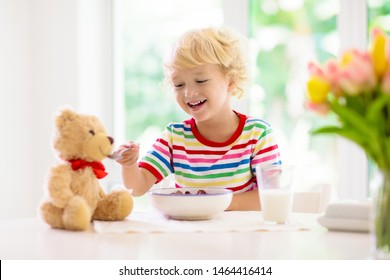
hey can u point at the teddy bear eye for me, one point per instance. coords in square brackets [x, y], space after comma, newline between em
[92, 132]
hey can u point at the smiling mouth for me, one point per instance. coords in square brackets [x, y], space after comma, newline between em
[196, 103]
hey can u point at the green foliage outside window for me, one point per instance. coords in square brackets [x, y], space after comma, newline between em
[276, 66]
[379, 14]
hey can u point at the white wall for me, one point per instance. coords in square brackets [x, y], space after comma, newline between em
[15, 83]
[42, 67]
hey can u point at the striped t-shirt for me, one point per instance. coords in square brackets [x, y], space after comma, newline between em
[198, 162]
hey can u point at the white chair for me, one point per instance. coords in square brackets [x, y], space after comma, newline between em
[312, 201]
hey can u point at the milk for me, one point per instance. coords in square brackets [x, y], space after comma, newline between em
[276, 205]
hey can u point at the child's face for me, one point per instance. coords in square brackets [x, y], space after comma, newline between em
[202, 92]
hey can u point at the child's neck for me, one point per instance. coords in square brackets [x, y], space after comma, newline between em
[219, 129]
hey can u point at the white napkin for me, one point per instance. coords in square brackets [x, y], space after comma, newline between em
[234, 221]
[347, 216]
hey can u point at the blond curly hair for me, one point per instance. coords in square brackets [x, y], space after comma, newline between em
[221, 46]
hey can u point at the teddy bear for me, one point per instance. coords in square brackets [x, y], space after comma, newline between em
[74, 195]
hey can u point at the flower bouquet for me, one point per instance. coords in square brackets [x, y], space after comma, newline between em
[356, 89]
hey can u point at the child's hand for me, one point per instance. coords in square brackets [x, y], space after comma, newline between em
[127, 154]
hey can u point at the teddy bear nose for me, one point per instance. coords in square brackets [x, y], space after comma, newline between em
[111, 139]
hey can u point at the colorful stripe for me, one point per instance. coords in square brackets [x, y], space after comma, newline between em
[198, 162]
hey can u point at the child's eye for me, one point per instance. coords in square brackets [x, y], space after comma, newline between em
[92, 132]
[178, 85]
[201, 81]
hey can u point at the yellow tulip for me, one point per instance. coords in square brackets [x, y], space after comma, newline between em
[318, 89]
[378, 54]
[346, 59]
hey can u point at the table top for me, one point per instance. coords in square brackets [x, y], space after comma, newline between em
[30, 238]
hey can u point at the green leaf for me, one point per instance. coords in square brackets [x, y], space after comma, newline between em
[350, 118]
[349, 133]
[387, 153]
[344, 132]
[367, 130]
[375, 108]
[375, 113]
[356, 102]
[325, 129]
[359, 129]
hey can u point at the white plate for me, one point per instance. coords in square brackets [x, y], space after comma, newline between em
[354, 225]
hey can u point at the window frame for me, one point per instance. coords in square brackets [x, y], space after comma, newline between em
[353, 165]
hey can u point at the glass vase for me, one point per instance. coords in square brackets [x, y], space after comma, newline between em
[381, 226]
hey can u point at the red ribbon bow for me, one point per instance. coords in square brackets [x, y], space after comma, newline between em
[97, 167]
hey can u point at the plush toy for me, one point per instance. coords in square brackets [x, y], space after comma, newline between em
[75, 197]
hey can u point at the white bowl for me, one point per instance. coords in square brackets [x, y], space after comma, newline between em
[189, 205]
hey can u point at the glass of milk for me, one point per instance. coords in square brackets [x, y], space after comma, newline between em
[275, 192]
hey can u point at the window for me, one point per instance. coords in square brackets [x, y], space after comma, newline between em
[379, 14]
[148, 106]
[143, 32]
[284, 36]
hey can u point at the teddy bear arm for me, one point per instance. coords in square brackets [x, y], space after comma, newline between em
[59, 186]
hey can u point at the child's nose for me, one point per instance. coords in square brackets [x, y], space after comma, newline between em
[190, 91]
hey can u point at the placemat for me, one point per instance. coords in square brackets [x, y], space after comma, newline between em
[232, 221]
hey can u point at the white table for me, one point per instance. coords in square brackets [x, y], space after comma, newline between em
[30, 238]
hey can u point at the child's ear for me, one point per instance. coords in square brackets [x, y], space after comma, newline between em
[232, 84]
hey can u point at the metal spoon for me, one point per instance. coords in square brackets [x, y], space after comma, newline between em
[115, 156]
[119, 155]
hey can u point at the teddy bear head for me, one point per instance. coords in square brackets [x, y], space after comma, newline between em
[80, 136]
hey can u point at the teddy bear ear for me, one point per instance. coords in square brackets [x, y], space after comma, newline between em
[65, 115]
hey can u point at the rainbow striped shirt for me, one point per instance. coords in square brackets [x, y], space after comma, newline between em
[198, 162]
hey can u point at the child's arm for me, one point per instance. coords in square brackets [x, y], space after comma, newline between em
[247, 201]
[138, 179]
